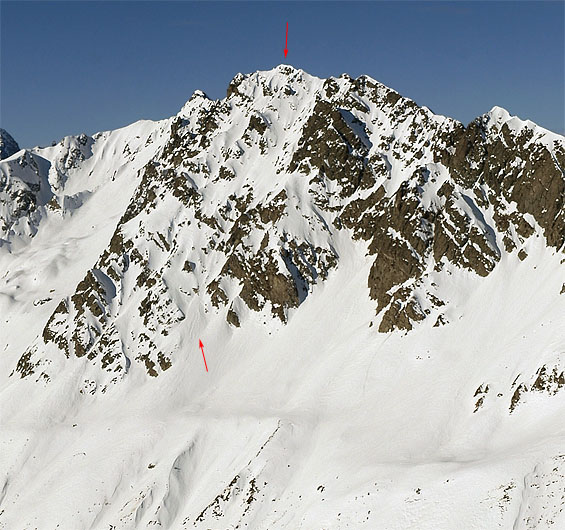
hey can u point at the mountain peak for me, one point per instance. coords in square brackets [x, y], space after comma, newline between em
[498, 117]
[269, 82]
[198, 94]
[499, 114]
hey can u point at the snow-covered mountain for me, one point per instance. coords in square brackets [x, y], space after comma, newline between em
[380, 292]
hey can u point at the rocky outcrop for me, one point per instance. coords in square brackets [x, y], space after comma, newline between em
[24, 188]
[8, 146]
[515, 168]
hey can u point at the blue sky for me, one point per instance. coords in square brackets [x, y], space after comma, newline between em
[72, 67]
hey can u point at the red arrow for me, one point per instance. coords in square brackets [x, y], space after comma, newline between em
[286, 43]
[201, 346]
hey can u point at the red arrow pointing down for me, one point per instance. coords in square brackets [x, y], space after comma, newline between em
[286, 42]
[201, 346]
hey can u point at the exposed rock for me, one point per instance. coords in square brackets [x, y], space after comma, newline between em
[8, 146]
[232, 318]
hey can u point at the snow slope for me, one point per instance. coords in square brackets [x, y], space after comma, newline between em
[382, 353]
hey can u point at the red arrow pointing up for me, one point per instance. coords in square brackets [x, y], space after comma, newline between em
[286, 42]
[201, 346]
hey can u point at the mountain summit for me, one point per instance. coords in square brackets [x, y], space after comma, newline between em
[379, 290]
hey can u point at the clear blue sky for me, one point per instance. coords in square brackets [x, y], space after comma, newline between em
[72, 67]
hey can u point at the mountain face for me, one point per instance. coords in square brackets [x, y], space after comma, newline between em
[379, 290]
[8, 146]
